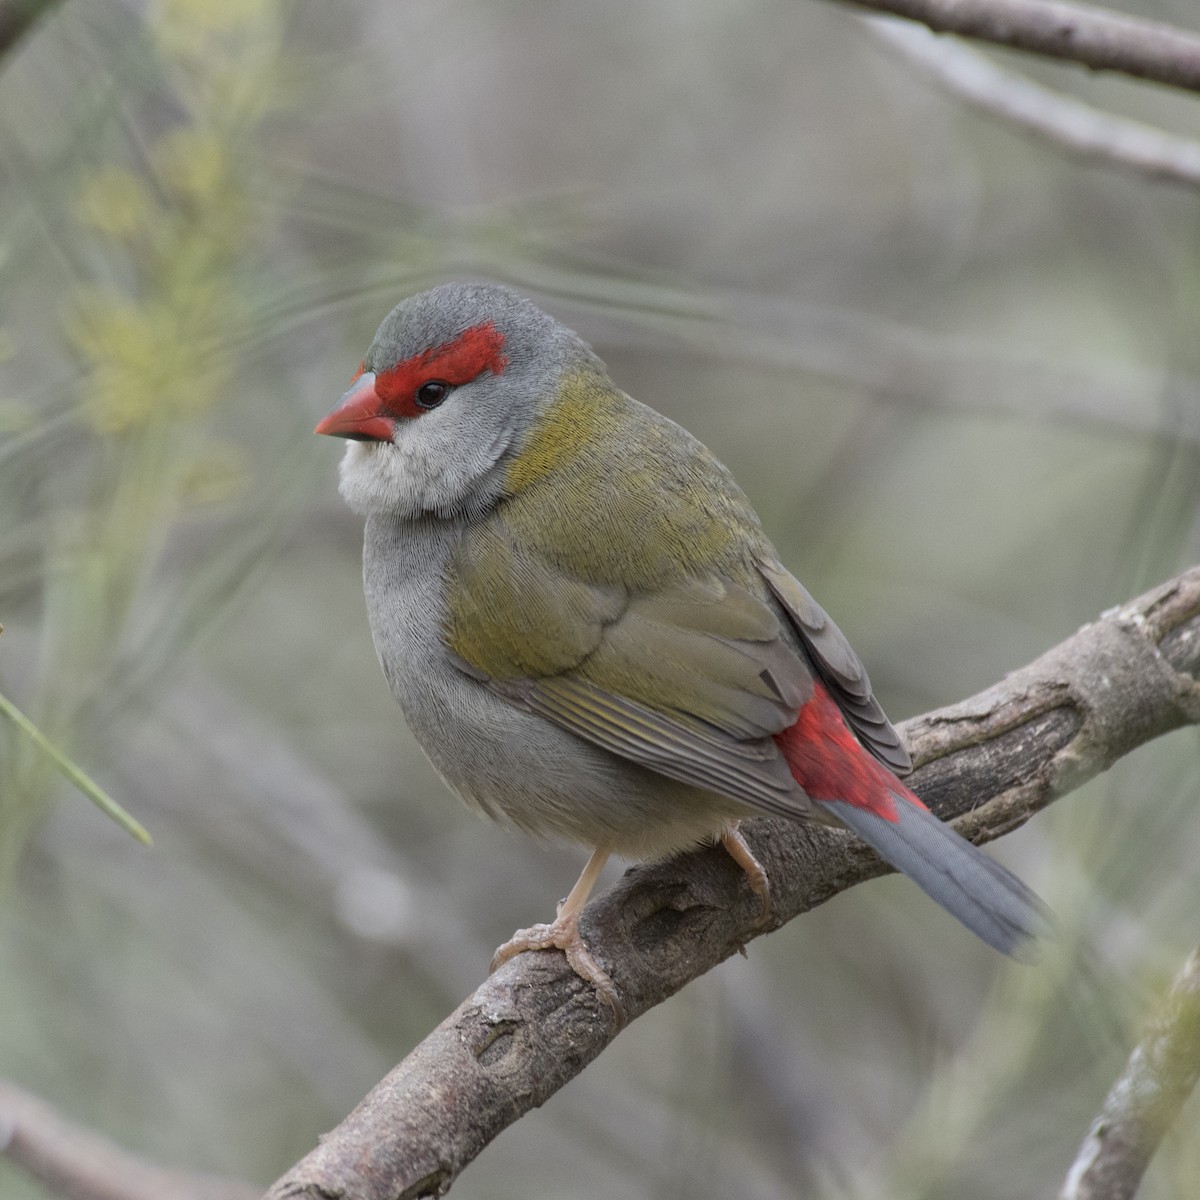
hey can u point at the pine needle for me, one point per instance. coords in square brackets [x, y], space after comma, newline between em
[88, 786]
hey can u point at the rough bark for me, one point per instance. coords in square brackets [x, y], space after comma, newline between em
[991, 761]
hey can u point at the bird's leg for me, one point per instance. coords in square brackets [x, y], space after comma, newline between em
[563, 934]
[756, 874]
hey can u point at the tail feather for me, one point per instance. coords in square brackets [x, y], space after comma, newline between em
[988, 899]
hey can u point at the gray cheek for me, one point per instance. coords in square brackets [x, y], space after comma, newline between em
[437, 464]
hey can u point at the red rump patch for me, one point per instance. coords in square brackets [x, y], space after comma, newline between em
[455, 362]
[830, 763]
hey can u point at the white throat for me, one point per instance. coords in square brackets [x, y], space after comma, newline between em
[418, 473]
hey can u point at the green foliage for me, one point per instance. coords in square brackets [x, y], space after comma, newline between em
[73, 773]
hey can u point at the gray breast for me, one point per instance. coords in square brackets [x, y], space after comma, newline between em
[517, 767]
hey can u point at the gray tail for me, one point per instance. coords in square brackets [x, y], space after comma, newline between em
[988, 899]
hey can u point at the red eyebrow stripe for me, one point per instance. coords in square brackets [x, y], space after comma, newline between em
[456, 362]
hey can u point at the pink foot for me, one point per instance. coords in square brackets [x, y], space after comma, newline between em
[563, 934]
[756, 874]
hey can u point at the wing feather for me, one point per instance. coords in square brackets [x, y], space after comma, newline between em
[693, 678]
[839, 668]
[674, 745]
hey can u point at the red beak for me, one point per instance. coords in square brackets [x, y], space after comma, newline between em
[359, 414]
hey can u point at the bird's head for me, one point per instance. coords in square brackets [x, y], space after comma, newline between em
[453, 382]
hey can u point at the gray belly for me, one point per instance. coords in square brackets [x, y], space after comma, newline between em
[513, 765]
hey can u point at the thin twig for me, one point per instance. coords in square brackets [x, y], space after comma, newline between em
[1081, 33]
[1145, 1100]
[991, 761]
[1063, 120]
[79, 1164]
[17, 18]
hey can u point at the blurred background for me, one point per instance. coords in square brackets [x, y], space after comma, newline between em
[956, 369]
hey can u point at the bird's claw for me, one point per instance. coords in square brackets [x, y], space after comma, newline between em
[564, 935]
[756, 874]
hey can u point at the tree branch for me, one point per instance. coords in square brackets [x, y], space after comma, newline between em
[82, 1165]
[17, 18]
[1062, 120]
[992, 760]
[1145, 1100]
[1081, 33]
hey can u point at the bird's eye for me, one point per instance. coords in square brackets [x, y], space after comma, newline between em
[432, 393]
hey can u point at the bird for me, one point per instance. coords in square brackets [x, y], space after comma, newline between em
[591, 635]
